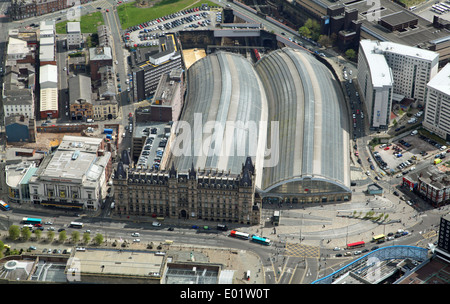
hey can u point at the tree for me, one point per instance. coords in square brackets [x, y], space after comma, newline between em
[75, 236]
[14, 232]
[325, 40]
[86, 237]
[98, 239]
[304, 31]
[2, 246]
[351, 54]
[50, 236]
[25, 233]
[62, 236]
[38, 233]
[313, 25]
[310, 29]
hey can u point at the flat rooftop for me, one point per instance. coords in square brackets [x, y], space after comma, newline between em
[118, 262]
[398, 18]
[441, 82]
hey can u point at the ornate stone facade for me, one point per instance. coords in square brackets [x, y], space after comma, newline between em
[198, 194]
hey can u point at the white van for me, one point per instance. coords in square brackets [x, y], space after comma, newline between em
[443, 148]
[156, 224]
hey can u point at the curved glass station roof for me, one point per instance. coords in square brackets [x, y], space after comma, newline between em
[288, 96]
[224, 96]
[306, 100]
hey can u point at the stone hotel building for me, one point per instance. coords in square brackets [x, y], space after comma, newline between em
[197, 194]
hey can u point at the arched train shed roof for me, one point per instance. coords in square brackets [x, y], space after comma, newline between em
[288, 87]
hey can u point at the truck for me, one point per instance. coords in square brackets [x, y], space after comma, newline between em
[108, 131]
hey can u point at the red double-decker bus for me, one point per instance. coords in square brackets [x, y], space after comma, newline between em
[356, 245]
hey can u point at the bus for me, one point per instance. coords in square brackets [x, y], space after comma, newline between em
[32, 221]
[4, 206]
[444, 5]
[356, 245]
[76, 225]
[379, 238]
[239, 235]
[260, 240]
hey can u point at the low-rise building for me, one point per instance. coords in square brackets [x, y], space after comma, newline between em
[17, 179]
[80, 97]
[98, 57]
[74, 37]
[19, 128]
[431, 184]
[168, 100]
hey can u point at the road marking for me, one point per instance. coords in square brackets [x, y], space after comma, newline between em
[302, 251]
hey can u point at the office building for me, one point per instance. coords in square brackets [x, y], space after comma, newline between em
[148, 64]
[437, 114]
[168, 100]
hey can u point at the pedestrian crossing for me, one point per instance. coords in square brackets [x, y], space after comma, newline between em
[302, 251]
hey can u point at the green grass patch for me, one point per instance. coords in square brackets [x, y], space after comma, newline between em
[410, 3]
[131, 15]
[432, 136]
[88, 23]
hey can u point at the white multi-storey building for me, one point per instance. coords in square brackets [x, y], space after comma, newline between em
[74, 38]
[437, 111]
[411, 69]
[376, 83]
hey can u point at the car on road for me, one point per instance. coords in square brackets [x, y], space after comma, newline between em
[135, 234]
[336, 249]
[136, 241]
[61, 229]
[32, 248]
